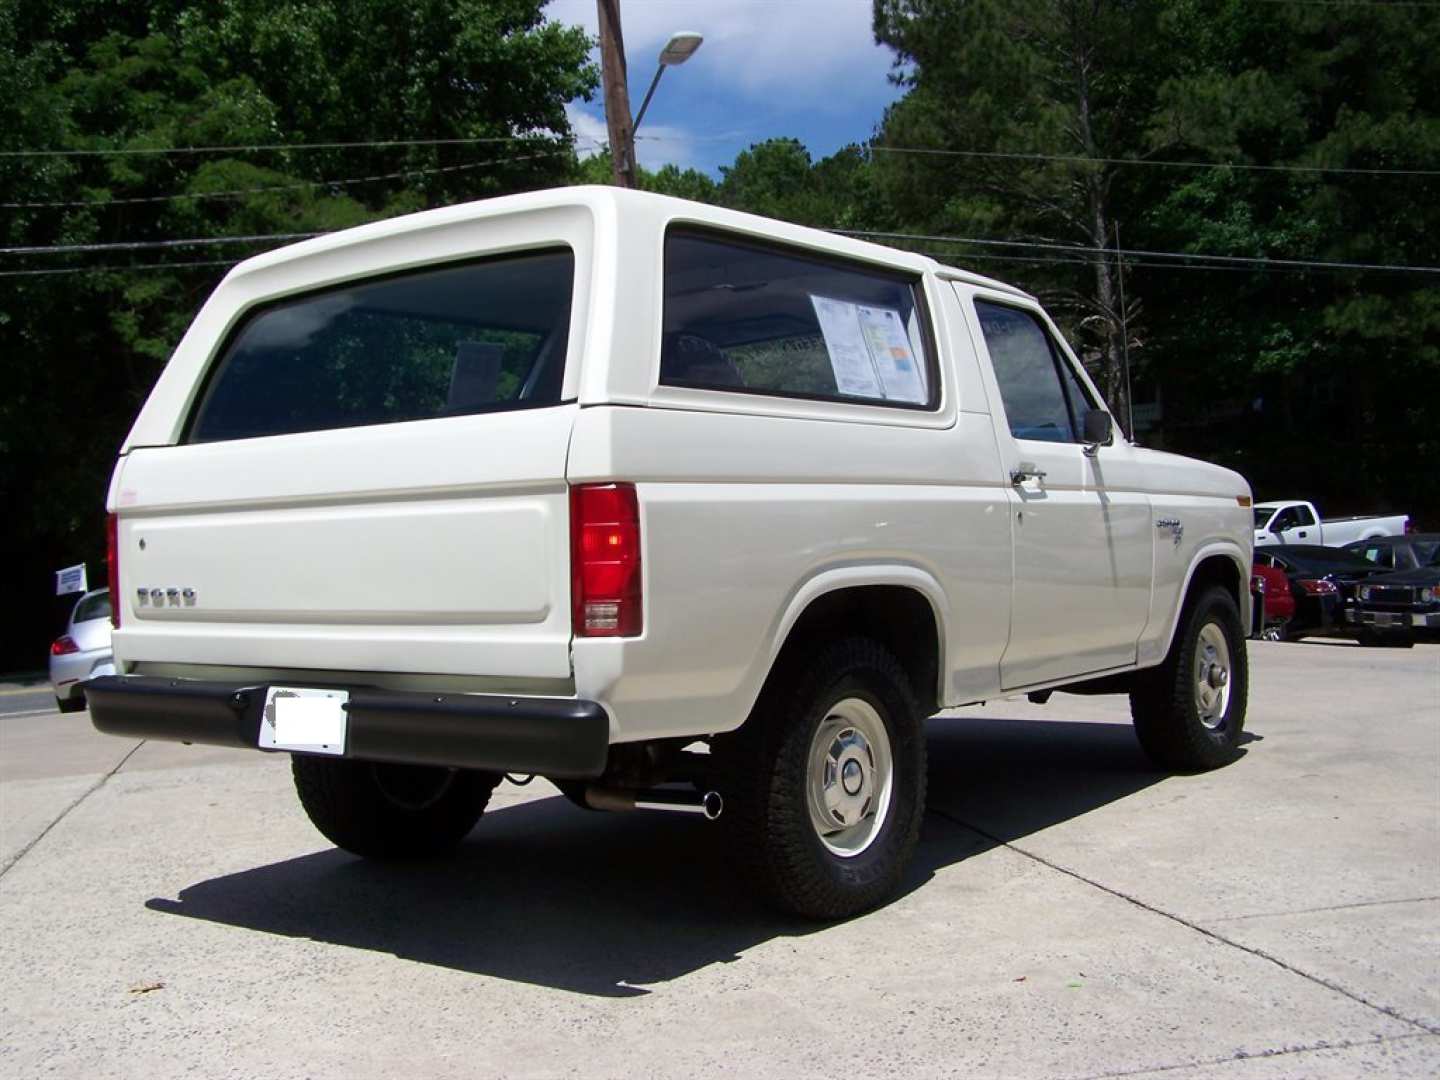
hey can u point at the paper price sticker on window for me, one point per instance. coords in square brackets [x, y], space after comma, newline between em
[889, 345]
[870, 351]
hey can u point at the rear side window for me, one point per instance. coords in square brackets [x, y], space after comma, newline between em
[758, 319]
[451, 341]
[1043, 397]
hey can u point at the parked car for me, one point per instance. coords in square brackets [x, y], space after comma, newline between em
[1274, 604]
[565, 483]
[1296, 522]
[1321, 582]
[1398, 608]
[1400, 552]
[83, 651]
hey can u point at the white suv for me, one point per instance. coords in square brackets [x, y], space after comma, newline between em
[676, 506]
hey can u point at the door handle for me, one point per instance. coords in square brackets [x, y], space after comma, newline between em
[1303, 534]
[1026, 470]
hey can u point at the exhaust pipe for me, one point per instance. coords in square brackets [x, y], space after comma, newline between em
[708, 803]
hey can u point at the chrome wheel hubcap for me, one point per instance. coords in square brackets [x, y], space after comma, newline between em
[849, 776]
[1212, 676]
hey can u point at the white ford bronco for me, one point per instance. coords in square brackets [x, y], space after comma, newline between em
[677, 507]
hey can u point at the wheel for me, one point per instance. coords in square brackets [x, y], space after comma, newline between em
[386, 811]
[1189, 712]
[70, 704]
[825, 783]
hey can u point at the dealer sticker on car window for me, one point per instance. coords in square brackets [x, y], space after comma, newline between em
[309, 720]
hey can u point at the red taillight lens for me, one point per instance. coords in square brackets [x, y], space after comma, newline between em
[605, 560]
[1318, 587]
[112, 566]
[64, 646]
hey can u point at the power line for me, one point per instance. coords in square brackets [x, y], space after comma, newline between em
[1150, 163]
[150, 245]
[114, 269]
[1244, 260]
[245, 148]
[242, 192]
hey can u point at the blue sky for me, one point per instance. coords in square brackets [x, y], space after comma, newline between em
[807, 69]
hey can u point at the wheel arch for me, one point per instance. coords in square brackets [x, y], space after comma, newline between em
[902, 607]
[1214, 564]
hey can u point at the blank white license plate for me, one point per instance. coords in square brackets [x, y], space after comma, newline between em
[298, 718]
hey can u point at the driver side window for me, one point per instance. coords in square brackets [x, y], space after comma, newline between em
[1044, 399]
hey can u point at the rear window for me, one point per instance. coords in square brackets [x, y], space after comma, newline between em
[749, 318]
[94, 606]
[451, 341]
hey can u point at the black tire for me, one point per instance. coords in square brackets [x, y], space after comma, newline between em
[70, 704]
[386, 811]
[766, 783]
[1381, 640]
[1166, 703]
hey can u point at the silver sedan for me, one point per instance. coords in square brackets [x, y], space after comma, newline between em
[83, 651]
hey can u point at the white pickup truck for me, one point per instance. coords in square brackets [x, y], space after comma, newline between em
[678, 507]
[1297, 522]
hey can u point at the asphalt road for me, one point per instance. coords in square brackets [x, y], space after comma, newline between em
[168, 911]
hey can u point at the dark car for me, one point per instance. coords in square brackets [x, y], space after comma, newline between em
[1400, 552]
[1398, 608]
[1322, 581]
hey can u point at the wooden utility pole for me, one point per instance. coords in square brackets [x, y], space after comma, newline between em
[617, 94]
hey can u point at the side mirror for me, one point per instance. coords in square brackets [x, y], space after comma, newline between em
[1099, 428]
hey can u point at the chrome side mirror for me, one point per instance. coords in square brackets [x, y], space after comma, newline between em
[1099, 430]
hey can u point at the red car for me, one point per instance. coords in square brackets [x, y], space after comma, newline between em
[1274, 605]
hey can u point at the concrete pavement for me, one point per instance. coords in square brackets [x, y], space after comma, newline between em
[1071, 913]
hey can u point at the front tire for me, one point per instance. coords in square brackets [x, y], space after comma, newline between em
[388, 811]
[826, 782]
[1190, 711]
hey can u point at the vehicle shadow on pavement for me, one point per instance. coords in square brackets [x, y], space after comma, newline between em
[546, 893]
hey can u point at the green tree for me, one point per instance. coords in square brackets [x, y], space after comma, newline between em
[485, 82]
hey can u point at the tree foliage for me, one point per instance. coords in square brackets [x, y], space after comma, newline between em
[485, 80]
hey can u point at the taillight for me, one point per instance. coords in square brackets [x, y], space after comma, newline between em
[64, 646]
[605, 560]
[1318, 587]
[112, 566]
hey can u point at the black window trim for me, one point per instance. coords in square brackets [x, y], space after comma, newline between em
[249, 314]
[1058, 357]
[915, 281]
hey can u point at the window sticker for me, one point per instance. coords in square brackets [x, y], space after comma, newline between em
[850, 359]
[889, 346]
[870, 351]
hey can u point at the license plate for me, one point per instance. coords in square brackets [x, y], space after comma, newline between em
[1386, 618]
[298, 718]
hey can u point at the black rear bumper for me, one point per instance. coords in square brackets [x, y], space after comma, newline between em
[557, 737]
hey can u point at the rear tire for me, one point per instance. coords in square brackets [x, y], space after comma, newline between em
[825, 783]
[1190, 711]
[70, 704]
[387, 811]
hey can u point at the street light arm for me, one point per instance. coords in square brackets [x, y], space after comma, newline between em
[648, 95]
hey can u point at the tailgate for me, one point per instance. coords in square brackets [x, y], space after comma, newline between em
[437, 546]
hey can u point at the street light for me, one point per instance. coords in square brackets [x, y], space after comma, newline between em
[677, 50]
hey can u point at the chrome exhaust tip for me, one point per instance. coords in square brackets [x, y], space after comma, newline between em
[709, 804]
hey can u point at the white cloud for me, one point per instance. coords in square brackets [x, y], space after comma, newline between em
[658, 144]
[820, 54]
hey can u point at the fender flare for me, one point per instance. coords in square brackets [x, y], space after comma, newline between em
[1227, 548]
[855, 575]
